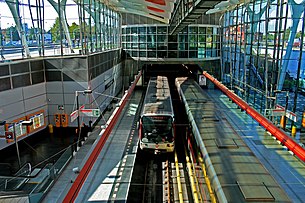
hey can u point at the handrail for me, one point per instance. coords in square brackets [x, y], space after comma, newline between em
[196, 194]
[80, 179]
[268, 125]
[180, 193]
[207, 180]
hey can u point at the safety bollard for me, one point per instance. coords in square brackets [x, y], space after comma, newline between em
[294, 130]
[282, 121]
[50, 128]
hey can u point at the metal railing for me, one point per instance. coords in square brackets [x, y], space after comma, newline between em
[33, 184]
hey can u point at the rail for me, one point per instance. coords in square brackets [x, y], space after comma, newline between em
[32, 184]
[211, 171]
[180, 192]
[207, 180]
[78, 183]
[196, 195]
[294, 147]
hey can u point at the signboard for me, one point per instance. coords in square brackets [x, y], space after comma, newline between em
[38, 121]
[292, 116]
[74, 114]
[202, 80]
[9, 136]
[274, 112]
[91, 112]
[19, 129]
[279, 107]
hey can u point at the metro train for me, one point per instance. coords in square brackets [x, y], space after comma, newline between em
[157, 122]
[237, 174]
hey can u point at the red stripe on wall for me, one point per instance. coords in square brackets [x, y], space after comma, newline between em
[159, 2]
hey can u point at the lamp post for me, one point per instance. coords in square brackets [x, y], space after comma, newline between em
[26, 123]
[88, 91]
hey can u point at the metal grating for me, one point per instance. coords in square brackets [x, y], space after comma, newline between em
[225, 143]
[255, 192]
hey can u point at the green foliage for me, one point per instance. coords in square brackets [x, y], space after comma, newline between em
[55, 30]
[287, 33]
[74, 30]
[298, 35]
[270, 36]
[302, 83]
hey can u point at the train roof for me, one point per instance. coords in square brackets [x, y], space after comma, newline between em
[158, 99]
[240, 174]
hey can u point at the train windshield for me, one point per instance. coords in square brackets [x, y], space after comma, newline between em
[160, 126]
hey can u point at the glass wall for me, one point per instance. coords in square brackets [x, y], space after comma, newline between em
[45, 28]
[153, 41]
[262, 47]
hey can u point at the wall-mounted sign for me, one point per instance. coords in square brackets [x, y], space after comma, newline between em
[202, 80]
[19, 128]
[91, 112]
[9, 136]
[37, 119]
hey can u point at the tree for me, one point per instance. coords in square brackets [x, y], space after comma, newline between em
[74, 30]
[298, 35]
[55, 30]
[287, 33]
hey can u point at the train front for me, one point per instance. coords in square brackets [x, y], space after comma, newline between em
[157, 133]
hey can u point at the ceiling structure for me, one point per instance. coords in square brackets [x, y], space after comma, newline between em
[177, 13]
[156, 9]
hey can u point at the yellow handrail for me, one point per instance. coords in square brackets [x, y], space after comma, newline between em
[180, 193]
[207, 180]
[191, 177]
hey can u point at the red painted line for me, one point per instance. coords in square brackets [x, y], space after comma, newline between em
[86, 110]
[82, 176]
[278, 110]
[268, 125]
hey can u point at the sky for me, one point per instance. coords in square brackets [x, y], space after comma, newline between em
[6, 19]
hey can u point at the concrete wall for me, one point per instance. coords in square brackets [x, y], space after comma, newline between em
[50, 84]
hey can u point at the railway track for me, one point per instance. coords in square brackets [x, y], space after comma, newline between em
[171, 177]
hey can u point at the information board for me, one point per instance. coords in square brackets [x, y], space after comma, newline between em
[19, 128]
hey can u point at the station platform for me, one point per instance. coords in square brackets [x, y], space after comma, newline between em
[285, 168]
[110, 176]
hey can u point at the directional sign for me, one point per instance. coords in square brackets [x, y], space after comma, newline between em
[9, 135]
[91, 112]
[292, 116]
[74, 114]
[274, 112]
[279, 107]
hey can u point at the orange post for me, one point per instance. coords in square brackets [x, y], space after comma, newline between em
[294, 130]
[282, 122]
[64, 120]
[57, 120]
